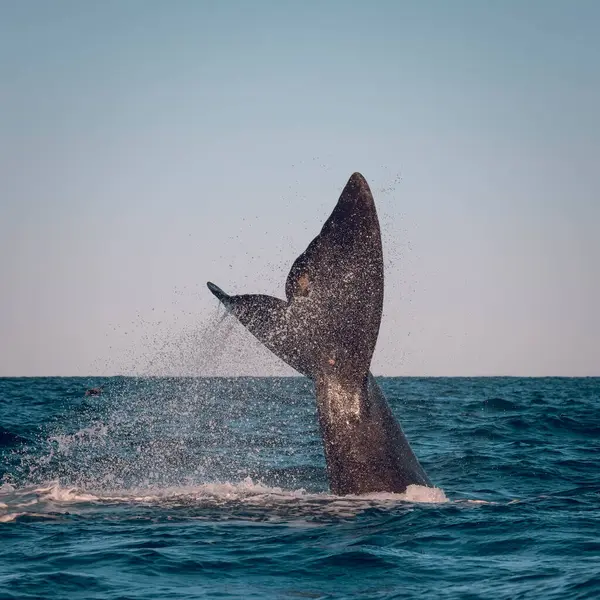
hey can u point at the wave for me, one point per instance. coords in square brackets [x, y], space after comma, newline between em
[52, 500]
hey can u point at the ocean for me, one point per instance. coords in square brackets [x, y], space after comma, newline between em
[216, 488]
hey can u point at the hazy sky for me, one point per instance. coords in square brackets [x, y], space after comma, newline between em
[146, 147]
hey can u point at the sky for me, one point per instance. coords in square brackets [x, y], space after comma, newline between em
[147, 147]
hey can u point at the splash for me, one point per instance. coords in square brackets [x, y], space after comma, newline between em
[179, 438]
[426, 495]
[246, 500]
[219, 347]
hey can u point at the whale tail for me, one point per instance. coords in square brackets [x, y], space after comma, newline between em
[328, 326]
[327, 329]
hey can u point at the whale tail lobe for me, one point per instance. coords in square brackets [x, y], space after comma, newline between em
[329, 323]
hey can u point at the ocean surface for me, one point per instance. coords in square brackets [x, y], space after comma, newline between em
[216, 488]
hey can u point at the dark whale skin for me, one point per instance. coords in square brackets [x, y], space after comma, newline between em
[327, 330]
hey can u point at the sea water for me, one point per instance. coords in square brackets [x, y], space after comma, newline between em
[216, 488]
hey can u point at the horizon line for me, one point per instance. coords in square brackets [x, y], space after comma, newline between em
[146, 376]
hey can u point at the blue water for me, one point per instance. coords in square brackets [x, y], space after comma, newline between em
[216, 488]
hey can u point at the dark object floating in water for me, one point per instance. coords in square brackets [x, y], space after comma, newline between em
[94, 391]
[327, 330]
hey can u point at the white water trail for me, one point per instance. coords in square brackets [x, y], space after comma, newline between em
[53, 500]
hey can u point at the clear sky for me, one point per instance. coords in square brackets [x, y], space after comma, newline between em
[146, 147]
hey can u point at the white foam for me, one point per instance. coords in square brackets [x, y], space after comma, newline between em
[64, 495]
[7, 518]
[23, 504]
[278, 503]
[426, 495]
[243, 490]
[415, 494]
[249, 492]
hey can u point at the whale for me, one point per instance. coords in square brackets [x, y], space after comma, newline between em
[327, 329]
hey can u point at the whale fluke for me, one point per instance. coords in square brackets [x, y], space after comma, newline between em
[327, 329]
